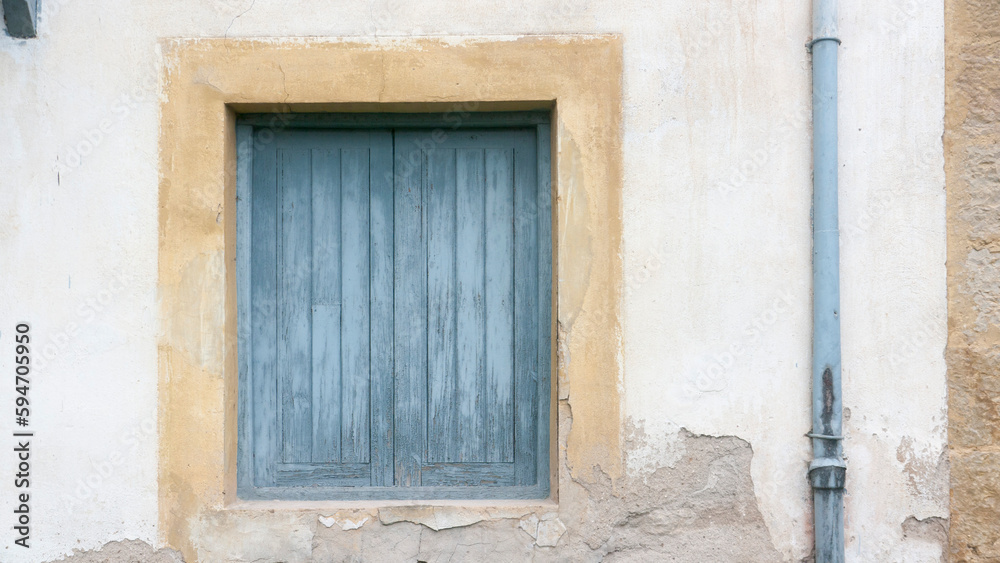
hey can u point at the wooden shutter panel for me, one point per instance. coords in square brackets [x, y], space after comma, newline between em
[394, 339]
[467, 270]
[319, 291]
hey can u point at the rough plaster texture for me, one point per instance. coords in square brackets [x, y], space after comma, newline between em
[715, 263]
[689, 512]
[972, 141]
[128, 551]
[718, 320]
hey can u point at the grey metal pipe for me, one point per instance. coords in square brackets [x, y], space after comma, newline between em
[827, 472]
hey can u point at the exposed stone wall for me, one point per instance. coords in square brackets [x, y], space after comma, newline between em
[972, 149]
[692, 511]
[128, 551]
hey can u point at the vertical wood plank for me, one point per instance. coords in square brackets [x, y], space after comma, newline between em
[525, 309]
[295, 304]
[442, 418]
[326, 304]
[244, 318]
[499, 384]
[264, 329]
[410, 309]
[471, 311]
[381, 237]
[355, 351]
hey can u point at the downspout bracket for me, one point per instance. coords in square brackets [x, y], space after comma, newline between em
[824, 436]
[810, 44]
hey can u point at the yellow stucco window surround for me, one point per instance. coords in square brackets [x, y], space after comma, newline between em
[207, 82]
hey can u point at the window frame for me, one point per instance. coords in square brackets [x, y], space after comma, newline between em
[539, 121]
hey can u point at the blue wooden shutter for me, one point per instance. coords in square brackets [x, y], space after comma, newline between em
[395, 334]
[467, 308]
[321, 207]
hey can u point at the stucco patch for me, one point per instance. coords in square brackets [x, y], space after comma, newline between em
[432, 517]
[128, 551]
[933, 532]
[689, 512]
[348, 519]
[926, 469]
[685, 512]
[236, 536]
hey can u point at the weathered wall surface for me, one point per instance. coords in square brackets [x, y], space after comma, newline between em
[972, 141]
[717, 242]
[690, 512]
[129, 551]
[715, 251]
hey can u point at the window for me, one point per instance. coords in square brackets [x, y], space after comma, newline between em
[394, 305]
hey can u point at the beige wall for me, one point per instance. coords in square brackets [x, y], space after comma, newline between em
[972, 148]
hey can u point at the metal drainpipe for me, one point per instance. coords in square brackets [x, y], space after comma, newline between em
[827, 471]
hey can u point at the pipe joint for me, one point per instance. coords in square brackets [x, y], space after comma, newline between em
[810, 44]
[827, 473]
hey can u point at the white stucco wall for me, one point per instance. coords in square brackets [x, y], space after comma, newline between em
[717, 242]
[718, 330]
